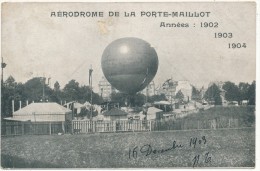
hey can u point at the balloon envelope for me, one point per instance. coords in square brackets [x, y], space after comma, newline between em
[129, 64]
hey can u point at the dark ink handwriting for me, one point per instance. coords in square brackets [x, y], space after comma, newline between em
[196, 159]
[147, 150]
[195, 141]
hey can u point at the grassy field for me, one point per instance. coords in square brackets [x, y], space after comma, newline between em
[216, 148]
[224, 117]
[246, 114]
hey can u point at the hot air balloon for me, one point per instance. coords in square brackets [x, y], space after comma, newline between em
[129, 64]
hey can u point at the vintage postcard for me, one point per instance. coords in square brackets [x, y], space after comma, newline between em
[128, 85]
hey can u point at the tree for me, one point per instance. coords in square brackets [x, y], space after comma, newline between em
[243, 89]
[84, 94]
[179, 96]
[251, 94]
[139, 100]
[56, 86]
[136, 100]
[195, 93]
[11, 90]
[213, 94]
[10, 82]
[71, 91]
[232, 91]
[7, 95]
[155, 98]
[34, 89]
[119, 98]
[96, 98]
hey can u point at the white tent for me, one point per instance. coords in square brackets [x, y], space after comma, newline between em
[41, 112]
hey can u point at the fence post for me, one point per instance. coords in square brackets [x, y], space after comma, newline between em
[94, 126]
[114, 125]
[63, 128]
[34, 128]
[50, 127]
[72, 127]
[150, 122]
[22, 128]
[14, 128]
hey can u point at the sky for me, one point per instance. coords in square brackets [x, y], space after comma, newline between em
[35, 44]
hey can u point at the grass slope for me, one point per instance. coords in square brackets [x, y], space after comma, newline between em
[246, 114]
[227, 148]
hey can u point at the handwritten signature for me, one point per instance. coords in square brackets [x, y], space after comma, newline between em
[194, 142]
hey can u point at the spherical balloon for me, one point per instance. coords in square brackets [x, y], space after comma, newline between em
[129, 64]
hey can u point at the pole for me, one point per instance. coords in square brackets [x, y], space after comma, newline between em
[90, 84]
[3, 65]
[171, 99]
[12, 106]
[91, 108]
[2, 75]
[43, 90]
[146, 97]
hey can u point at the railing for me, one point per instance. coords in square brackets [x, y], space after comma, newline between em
[110, 126]
[80, 126]
[193, 124]
[33, 128]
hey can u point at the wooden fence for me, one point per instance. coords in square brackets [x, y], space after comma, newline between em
[79, 126]
[32, 128]
[110, 126]
[189, 124]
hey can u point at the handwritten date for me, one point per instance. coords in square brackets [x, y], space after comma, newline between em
[149, 150]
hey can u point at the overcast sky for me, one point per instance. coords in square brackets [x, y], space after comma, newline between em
[35, 44]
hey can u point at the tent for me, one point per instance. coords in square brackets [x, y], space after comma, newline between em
[42, 112]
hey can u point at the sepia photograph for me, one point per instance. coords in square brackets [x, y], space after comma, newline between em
[128, 85]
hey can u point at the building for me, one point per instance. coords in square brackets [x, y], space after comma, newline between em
[153, 113]
[74, 106]
[218, 83]
[165, 105]
[42, 112]
[149, 90]
[186, 89]
[170, 88]
[105, 89]
[115, 114]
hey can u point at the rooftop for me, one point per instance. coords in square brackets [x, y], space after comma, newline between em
[42, 108]
[115, 112]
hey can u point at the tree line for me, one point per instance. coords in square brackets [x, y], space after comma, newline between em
[231, 92]
[37, 90]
